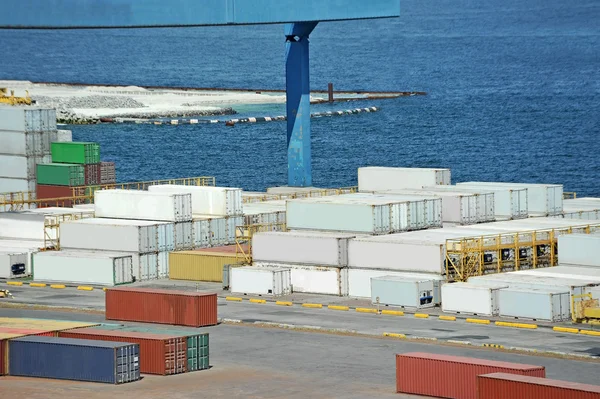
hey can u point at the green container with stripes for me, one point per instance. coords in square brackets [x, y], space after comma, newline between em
[197, 344]
[60, 174]
[83, 153]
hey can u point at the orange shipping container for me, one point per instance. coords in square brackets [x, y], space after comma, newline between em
[159, 353]
[452, 377]
[510, 386]
[182, 308]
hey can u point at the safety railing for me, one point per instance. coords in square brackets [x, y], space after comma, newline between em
[143, 185]
[15, 201]
[302, 194]
[475, 256]
[243, 240]
[52, 228]
[569, 195]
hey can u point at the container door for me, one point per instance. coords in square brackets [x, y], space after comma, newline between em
[204, 351]
[201, 233]
[163, 264]
[193, 353]
[127, 364]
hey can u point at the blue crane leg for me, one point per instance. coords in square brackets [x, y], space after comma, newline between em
[298, 103]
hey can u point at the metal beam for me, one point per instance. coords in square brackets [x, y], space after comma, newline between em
[69, 14]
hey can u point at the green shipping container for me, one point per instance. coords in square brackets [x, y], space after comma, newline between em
[83, 153]
[197, 344]
[61, 174]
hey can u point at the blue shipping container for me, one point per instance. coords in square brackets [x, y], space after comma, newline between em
[74, 359]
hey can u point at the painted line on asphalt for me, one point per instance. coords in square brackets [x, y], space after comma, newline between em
[516, 325]
[337, 307]
[478, 321]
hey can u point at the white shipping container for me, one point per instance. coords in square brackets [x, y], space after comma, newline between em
[215, 230]
[64, 136]
[404, 291]
[139, 236]
[579, 249]
[10, 185]
[314, 279]
[359, 280]
[544, 199]
[21, 167]
[548, 305]
[16, 225]
[302, 247]
[22, 246]
[374, 178]
[574, 272]
[183, 235]
[27, 118]
[471, 299]
[254, 218]
[163, 265]
[218, 201]
[143, 205]
[13, 264]
[26, 143]
[54, 211]
[79, 267]
[261, 280]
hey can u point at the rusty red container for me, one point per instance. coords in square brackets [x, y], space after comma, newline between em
[181, 308]
[452, 377]
[92, 174]
[46, 191]
[159, 354]
[511, 386]
[2, 356]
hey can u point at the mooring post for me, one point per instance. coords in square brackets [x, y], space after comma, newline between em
[330, 92]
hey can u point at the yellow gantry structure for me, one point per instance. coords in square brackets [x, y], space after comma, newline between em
[302, 194]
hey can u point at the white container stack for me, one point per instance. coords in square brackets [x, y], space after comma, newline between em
[216, 201]
[13, 264]
[326, 280]
[25, 136]
[143, 205]
[374, 178]
[359, 280]
[266, 212]
[535, 304]
[363, 213]
[466, 298]
[261, 281]
[579, 249]
[28, 247]
[581, 208]
[543, 199]
[215, 231]
[403, 291]
[94, 268]
[24, 226]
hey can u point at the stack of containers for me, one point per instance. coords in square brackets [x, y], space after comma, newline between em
[375, 178]
[73, 164]
[108, 174]
[25, 134]
[265, 212]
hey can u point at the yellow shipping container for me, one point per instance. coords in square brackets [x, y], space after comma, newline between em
[42, 324]
[199, 266]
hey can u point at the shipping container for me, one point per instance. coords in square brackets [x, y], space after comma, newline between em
[254, 217]
[162, 354]
[302, 247]
[133, 204]
[579, 249]
[508, 203]
[363, 213]
[548, 305]
[200, 265]
[293, 192]
[64, 136]
[359, 280]
[42, 324]
[108, 174]
[21, 167]
[82, 153]
[13, 265]
[326, 280]
[374, 178]
[457, 207]
[27, 119]
[9, 185]
[217, 201]
[261, 281]
[81, 267]
[26, 226]
[215, 230]
[573, 272]
[410, 292]
[22, 332]
[52, 192]
[26, 143]
[543, 199]
[61, 174]
[74, 359]
[512, 386]
[183, 236]
[194, 309]
[447, 376]
[92, 174]
[28, 247]
[471, 299]
[139, 236]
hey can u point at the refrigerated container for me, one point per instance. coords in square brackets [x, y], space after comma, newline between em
[302, 247]
[447, 376]
[21, 167]
[574, 272]
[200, 265]
[28, 247]
[326, 280]
[22, 226]
[403, 291]
[26, 143]
[83, 267]
[74, 359]
[513, 386]
[261, 280]
[9, 185]
[162, 354]
[183, 236]
[542, 199]
[536, 304]
[472, 299]
[27, 119]
[61, 174]
[579, 249]
[215, 230]
[375, 178]
[217, 201]
[133, 204]
[359, 281]
[13, 264]
[82, 153]
[193, 309]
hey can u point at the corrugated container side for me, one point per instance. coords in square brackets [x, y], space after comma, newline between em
[92, 174]
[192, 309]
[8, 185]
[58, 174]
[199, 266]
[261, 280]
[69, 359]
[450, 376]
[159, 354]
[76, 152]
[511, 386]
[134, 204]
[108, 173]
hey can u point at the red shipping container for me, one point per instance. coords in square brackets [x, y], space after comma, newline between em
[2, 358]
[194, 309]
[45, 191]
[510, 386]
[452, 377]
[159, 354]
[92, 174]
